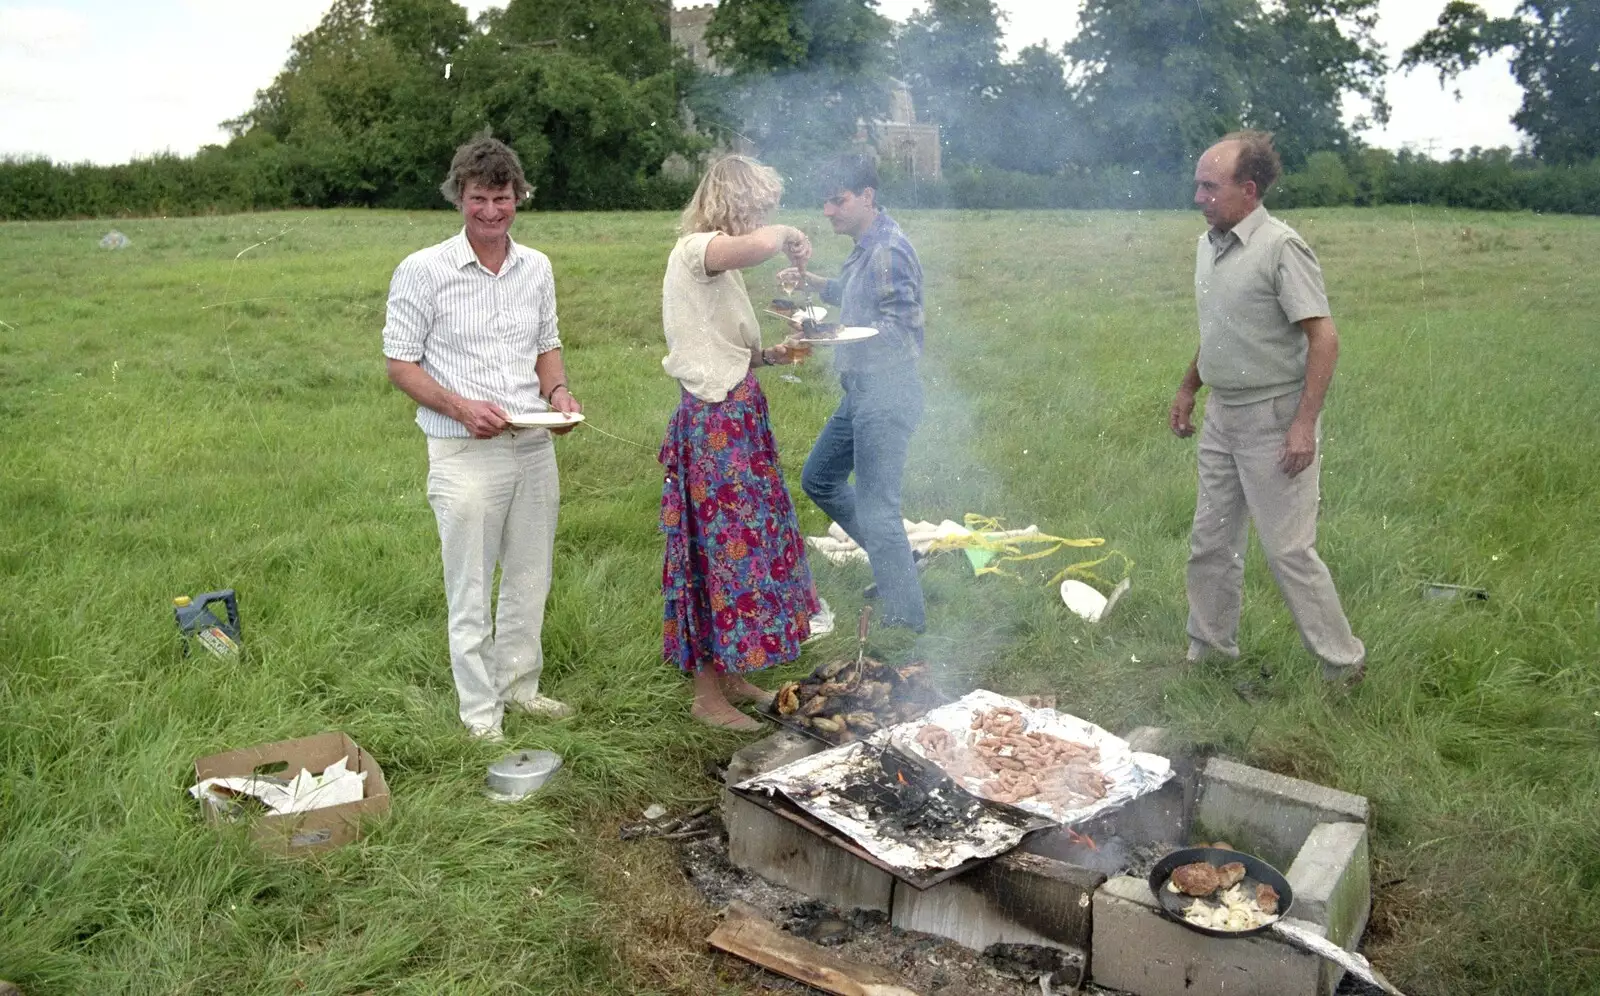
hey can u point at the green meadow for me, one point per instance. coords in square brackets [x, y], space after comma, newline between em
[207, 408]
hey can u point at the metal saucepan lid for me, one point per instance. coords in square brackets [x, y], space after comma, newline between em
[518, 774]
[1256, 872]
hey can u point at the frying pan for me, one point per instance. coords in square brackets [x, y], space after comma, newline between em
[1256, 872]
[1172, 905]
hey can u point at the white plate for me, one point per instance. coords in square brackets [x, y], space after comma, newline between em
[850, 333]
[1087, 602]
[544, 420]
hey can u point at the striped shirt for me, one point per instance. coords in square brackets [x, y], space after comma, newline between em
[476, 332]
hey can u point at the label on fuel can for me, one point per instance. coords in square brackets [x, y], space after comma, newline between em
[214, 639]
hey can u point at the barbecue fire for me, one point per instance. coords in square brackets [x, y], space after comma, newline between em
[844, 701]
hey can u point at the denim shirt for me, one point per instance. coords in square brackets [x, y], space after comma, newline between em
[880, 285]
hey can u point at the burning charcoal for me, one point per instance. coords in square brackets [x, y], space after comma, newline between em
[1197, 879]
[1028, 962]
[1230, 874]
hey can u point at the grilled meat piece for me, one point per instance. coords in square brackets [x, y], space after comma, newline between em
[1198, 879]
[874, 693]
[832, 668]
[815, 706]
[863, 721]
[788, 699]
[834, 689]
[1267, 898]
[1230, 874]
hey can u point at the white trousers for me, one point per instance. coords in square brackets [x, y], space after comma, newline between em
[496, 502]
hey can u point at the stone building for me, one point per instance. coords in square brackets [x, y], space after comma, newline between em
[910, 145]
[689, 33]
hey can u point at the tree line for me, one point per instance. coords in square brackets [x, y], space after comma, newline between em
[598, 102]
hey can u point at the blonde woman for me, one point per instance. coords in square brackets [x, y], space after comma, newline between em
[737, 588]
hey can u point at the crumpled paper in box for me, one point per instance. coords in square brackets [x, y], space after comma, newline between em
[334, 787]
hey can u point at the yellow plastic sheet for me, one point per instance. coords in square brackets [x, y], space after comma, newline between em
[989, 552]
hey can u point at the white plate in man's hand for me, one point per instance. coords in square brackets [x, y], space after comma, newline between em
[849, 333]
[545, 420]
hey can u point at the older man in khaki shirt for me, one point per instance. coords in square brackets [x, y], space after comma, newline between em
[1267, 350]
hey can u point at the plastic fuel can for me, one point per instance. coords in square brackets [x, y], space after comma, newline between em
[199, 624]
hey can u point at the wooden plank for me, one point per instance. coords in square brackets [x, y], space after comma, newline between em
[748, 935]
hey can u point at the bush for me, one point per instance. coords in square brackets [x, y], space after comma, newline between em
[256, 173]
[1325, 182]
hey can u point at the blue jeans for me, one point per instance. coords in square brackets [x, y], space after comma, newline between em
[870, 433]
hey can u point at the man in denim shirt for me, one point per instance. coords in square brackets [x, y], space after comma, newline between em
[880, 285]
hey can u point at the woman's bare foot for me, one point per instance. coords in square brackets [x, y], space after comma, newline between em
[726, 717]
[737, 690]
[711, 705]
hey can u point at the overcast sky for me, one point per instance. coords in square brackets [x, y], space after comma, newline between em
[108, 80]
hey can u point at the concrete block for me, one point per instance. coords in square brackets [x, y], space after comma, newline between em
[1332, 882]
[1018, 898]
[1138, 950]
[773, 752]
[765, 844]
[1266, 814]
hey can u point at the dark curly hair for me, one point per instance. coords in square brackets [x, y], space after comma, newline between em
[486, 161]
[854, 171]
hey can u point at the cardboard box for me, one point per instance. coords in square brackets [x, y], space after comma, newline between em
[317, 829]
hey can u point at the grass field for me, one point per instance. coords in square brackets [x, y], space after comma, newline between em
[207, 408]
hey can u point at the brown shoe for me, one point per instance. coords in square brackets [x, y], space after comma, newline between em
[1344, 676]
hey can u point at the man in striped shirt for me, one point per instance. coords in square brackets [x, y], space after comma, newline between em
[471, 337]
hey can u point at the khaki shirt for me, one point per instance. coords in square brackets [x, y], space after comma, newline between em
[712, 335]
[1253, 284]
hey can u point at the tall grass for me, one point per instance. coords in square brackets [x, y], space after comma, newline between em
[207, 408]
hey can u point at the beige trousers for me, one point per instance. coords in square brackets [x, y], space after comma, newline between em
[495, 501]
[1240, 478]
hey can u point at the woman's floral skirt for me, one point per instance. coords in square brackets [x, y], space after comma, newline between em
[737, 587]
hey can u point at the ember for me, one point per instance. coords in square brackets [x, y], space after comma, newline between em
[928, 806]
